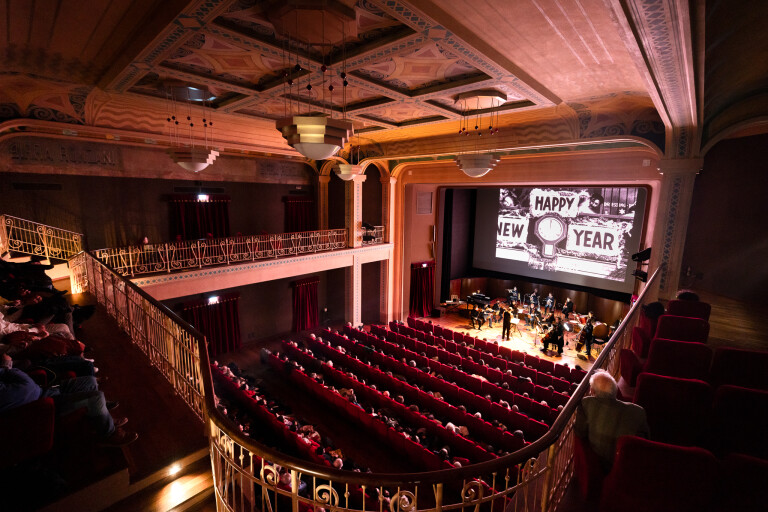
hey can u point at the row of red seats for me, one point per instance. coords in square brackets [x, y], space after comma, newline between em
[466, 381]
[459, 355]
[684, 479]
[540, 371]
[459, 445]
[690, 412]
[442, 408]
[245, 402]
[694, 360]
[573, 375]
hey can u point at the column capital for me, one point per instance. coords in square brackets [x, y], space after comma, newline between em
[681, 165]
[388, 180]
[324, 178]
[360, 178]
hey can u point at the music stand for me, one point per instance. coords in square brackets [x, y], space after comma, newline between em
[515, 322]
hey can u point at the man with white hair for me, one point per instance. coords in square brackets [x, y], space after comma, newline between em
[601, 419]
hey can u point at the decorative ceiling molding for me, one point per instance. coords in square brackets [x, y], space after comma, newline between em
[658, 33]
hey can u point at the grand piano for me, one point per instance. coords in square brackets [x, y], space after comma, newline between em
[479, 299]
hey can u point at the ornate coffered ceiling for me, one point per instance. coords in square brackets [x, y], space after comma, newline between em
[569, 68]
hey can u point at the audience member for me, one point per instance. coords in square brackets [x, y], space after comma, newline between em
[601, 418]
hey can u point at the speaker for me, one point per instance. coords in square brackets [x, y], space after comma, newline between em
[437, 312]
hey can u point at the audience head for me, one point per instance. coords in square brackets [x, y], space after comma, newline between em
[687, 295]
[338, 463]
[603, 384]
[653, 310]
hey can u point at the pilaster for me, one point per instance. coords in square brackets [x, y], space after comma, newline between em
[353, 297]
[677, 184]
[353, 210]
[322, 201]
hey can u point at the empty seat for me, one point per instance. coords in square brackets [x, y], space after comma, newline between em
[739, 421]
[745, 368]
[689, 308]
[659, 477]
[677, 409]
[682, 328]
[688, 360]
[742, 486]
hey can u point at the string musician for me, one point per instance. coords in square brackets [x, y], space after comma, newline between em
[586, 335]
[488, 316]
[476, 317]
[554, 336]
[567, 307]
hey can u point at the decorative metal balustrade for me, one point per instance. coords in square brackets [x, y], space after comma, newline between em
[28, 237]
[170, 344]
[193, 254]
[373, 236]
[247, 473]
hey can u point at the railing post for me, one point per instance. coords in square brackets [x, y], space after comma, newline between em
[130, 261]
[199, 254]
[548, 477]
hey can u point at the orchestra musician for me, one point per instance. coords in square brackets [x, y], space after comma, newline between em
[514, 295]
[506, 322]
[476, 317]
[549, 304]
[567, 307]
[585, 336]
[554, 337]
[534, 298]
[549, 320]
[488, 314]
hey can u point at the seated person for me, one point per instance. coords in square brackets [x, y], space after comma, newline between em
[601, 419]
[17, 389]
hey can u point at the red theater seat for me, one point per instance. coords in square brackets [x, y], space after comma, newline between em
[677, 409]
[742, 485]
[688, 360]
[682, 328]
[740, 421]
[689, 308]
[650, 476]
[745, 368]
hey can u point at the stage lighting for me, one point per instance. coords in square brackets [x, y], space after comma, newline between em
[641, 275]
[367, 226]
[643, 255]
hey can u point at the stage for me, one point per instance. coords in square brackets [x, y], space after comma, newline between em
[522, 339]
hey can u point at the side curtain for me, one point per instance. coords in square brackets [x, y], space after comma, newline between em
[192, 219]
[300, 214]
[305, 304]
[422, 288]
[219, 322]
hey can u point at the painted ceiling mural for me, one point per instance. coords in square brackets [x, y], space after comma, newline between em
[405, 66]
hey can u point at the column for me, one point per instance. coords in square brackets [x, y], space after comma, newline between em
[388, 206]
[322, 201]
[387, 266]
[353, 297]
[353, 210]
[672, 223]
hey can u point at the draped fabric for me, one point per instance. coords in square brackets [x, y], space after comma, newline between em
[422, 288]
[300, 214]
[192, 219]
[305, 304]
[219, 322]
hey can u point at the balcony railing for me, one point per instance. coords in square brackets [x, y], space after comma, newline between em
[246, 473]
[170, 344]
[28, 237]
[193, 254]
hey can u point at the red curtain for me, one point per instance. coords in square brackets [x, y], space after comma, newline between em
[305, 304]
[192, 219]
[219, 322]
[300, 214]
[422, 288]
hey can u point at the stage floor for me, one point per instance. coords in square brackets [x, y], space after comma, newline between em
[524, 339]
